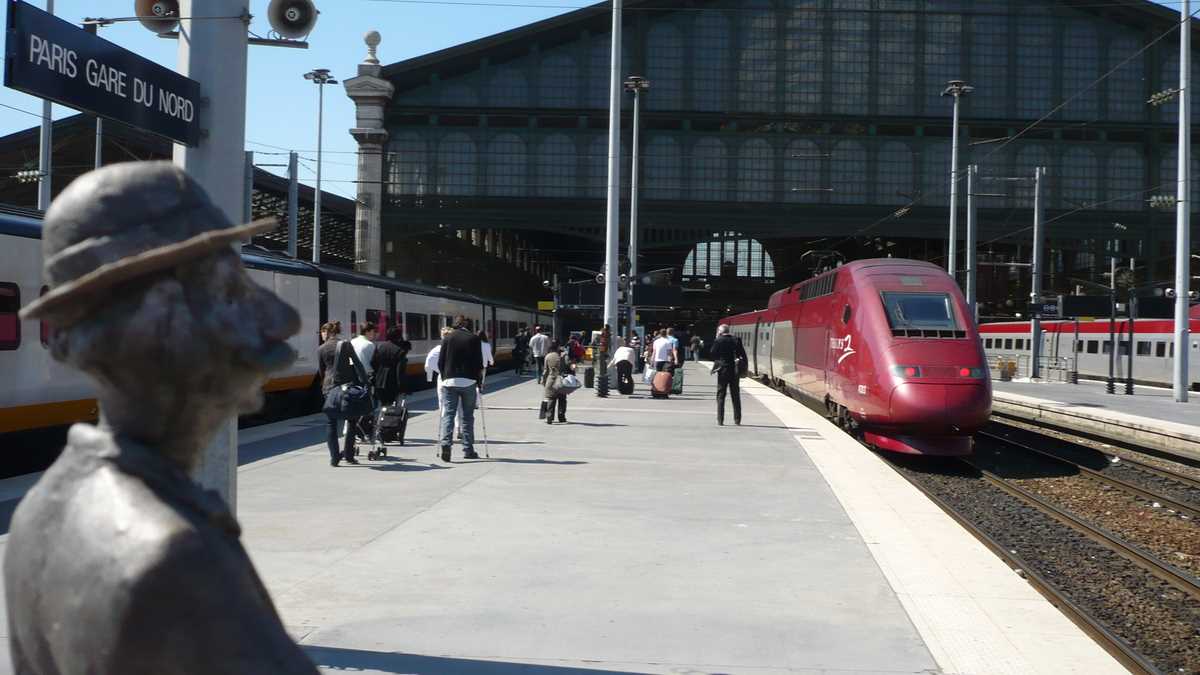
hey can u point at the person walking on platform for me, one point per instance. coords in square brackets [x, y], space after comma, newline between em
[460, 364]
[697, 345]
[338, 364]
[663, 352]
[390, 363]
[677, 351]
[364, 344]
[539, 344]
[520, 350]
[489, 358]
[431, 371]
[729, 357]
[625, 361]
[557, 366]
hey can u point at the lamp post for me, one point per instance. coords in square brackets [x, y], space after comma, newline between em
[611, 231]
[1183, 209]
[957, 89]
[636, 85]
[320, 77]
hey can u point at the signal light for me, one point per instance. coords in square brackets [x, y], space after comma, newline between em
[906, 371]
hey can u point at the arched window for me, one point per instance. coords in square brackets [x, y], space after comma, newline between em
[506, 166]
[1125, 179]
[1126, 88]
[935, 170]
[556, 163]
[558, 85]
[851, 30]
[508, 88]
[664, 66]
[1035, 62]
[408, 164]
[1081, 66]
[456, 165]
[1080, 178]
[710, 170]
[710, 63]
[989, 63]
[663, 164]
[756, 172]
[849, 173]
[943, 54]
[758, 58]
[1168, 171]
[459, 96]
[804, 54]
[729, 253]
[1028, 158]
[897, 64]
[802, 176]
[896, 174]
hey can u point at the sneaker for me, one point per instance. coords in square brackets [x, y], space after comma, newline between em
[470, 454]
[446, 453]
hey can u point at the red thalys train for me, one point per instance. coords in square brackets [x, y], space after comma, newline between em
[887, 346]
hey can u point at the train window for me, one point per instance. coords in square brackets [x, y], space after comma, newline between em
[10, 323]
[1171, 349]
[416, 326]
[1160, 348]
[846, 314]
[1143, 348]
[379, 319]
[1019, 344]
[1106, 347]
[448, 320]
[1079, 346]
[1123, 348]
[1093, 346]
[1008, 343]
[919, 310]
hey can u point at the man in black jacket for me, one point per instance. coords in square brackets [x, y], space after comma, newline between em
[728, 356]
[461, 366]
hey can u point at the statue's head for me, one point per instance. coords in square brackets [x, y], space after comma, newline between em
[148, 296]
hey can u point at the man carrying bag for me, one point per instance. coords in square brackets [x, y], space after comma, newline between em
[729, 363]
[347, 391]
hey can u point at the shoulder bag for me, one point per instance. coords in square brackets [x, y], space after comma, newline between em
[352, 399]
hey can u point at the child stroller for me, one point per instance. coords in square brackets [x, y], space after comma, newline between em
[388, 426]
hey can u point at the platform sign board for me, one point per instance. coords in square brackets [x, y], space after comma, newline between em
[1046, 309]
[56, 60]
[545, 305]
[1156, 308]
[1086, 305]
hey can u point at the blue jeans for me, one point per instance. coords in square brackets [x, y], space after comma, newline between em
[456, 398]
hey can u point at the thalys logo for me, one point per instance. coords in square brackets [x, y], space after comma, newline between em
[844, 345]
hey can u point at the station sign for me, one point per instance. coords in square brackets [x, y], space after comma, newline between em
[545, 305]
[53, 59]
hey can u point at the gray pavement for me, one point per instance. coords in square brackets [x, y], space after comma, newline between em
[1152, 403]
[639, 538]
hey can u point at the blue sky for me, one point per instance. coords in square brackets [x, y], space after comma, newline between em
[282, 106]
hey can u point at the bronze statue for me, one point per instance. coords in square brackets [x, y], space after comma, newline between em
[117, 562]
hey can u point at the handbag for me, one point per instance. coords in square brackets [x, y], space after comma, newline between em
[352, 399]
[569, 383]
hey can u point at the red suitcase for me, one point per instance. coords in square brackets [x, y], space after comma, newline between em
[660, 386]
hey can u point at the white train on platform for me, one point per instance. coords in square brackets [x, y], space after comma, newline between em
[1153, 348]
[38, 392]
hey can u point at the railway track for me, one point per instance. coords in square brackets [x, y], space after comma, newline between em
[1120, 648]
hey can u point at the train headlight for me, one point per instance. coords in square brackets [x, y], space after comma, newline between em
[906, 371]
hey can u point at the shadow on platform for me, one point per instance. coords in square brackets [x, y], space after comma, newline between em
[354, 660]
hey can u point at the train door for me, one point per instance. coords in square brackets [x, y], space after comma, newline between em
[390, 316]
[754, 345]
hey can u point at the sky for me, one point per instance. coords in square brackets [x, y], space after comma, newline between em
[281, 105]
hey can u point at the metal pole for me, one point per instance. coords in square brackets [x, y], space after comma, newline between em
[633, 206]
[293, 208]
[952, 237]
[248, 178]
[212, 51]
[1035, 287]
[972, 258]
[99, 142]
[1075, 355]
[1183, 205]
[612, 235]
[1111, 385]
[554, 318]
[1129, 355]
[316, 236]
[45, 144]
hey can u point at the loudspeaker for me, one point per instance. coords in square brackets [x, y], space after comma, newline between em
[158, 16]
[292, 19]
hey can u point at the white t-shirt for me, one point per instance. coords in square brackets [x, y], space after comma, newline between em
[365, 350]
[431, 367]
[662, 349]
[624, 354]
[538, 344]
[488, 359]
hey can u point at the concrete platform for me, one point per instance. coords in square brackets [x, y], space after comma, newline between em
[1149, 417]
[639, 538]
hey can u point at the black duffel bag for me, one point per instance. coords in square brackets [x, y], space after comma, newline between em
[352, 399]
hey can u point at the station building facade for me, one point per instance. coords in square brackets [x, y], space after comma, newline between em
[772, 127]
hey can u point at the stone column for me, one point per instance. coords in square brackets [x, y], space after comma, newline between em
[371, 95]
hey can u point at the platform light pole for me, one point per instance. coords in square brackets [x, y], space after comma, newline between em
[320, 77]
[45, 144]
[972, 238]
[1183, 207]
[612, 233]
[957, 89]
[636, 85]
[1035, 286]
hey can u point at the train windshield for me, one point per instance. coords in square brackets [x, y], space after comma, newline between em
[921, 311]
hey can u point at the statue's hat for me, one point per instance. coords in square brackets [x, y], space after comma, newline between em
[120, 223]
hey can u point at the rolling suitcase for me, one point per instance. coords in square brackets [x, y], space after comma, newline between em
[660, 386]
[390, 427]
[677, 381]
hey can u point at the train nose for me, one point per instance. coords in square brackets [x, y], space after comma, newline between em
[942, 408]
